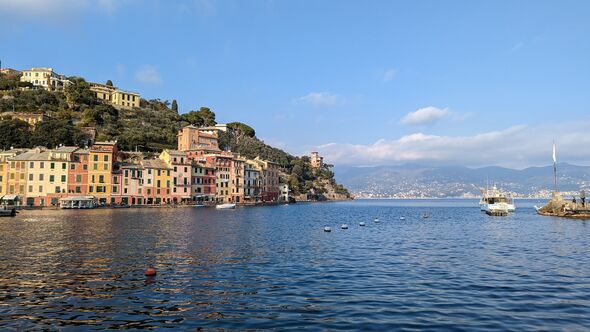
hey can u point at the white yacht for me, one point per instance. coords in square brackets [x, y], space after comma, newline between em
[495, 200]
[225, 206]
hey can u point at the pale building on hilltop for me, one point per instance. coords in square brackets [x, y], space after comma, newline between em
[317, 161]
[116, 97]
[45, 78]
[9, 72]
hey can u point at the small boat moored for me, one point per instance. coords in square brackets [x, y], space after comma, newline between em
[362, 223]
[344, 226]
[402, 218]
[225, 206]
[7, 212]
[327, 229]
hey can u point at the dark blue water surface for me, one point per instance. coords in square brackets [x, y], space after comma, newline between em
[275, 268]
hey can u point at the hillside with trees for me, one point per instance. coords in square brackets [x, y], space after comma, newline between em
[75, 113]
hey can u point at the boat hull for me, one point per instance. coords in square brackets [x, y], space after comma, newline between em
[225, 206]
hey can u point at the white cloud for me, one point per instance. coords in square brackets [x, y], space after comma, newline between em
[148, 75]
[321, 99]
[518, 146]
[426, 115]
[389, 75]
[206, 7]
[33, 8]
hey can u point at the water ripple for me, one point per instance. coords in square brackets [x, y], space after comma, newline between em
[275, 268]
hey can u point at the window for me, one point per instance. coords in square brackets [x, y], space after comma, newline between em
[51, 178]
[57, 189]
[125, 190]
[63, 178]
[85, 167]
[91, 189]
[52, 165]
[106, 167]
[41, 177]
[31, 164]
[40, 189]
[41, 165]
[30, 177]
[73, 166]
[149, 181]
[30, 189]
[101, 179]
[78, 178]
[114, 189]
[95, 166]
[63, 166]
[106, 158]
[95, 157]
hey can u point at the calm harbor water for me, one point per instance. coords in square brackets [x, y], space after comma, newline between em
[274, 268]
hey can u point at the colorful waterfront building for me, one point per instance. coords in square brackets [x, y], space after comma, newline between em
[237, 179]
[270, 179]
[157, 181]
[78, 173]
[5, 163]
[203, 182]
[181, 166]
[100, 167]
[252, 182]
[317, 161]
[223, 165]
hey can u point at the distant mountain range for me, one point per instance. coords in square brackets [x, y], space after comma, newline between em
[413, 181]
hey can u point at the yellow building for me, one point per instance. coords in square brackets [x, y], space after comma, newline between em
[46, 176]
[45, 78]
[5, 167]
[117, 98]
[157, 181]
[101, 155]
[30, 118]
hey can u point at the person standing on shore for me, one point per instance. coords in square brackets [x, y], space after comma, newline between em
[583, 197]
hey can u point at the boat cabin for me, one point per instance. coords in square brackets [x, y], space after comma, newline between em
[77, 202]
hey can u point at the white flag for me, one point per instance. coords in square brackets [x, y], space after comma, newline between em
[554, 157]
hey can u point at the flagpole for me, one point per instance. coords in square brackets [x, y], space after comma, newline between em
[554, 169]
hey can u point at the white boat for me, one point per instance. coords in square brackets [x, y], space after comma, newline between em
[495, 200]
[225, 206]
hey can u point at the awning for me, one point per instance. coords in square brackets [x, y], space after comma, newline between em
[9, 197]
[78, 198]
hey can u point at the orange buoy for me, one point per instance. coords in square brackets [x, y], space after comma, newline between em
[150, 272]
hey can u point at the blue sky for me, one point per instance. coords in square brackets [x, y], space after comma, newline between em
[364, 82]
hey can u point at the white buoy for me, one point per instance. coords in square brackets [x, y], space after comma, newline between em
[327, 229]
[402, 218]
[344, 226]
[376, 219]
[362, 223]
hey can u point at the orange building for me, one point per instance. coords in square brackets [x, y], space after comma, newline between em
[192, 138]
